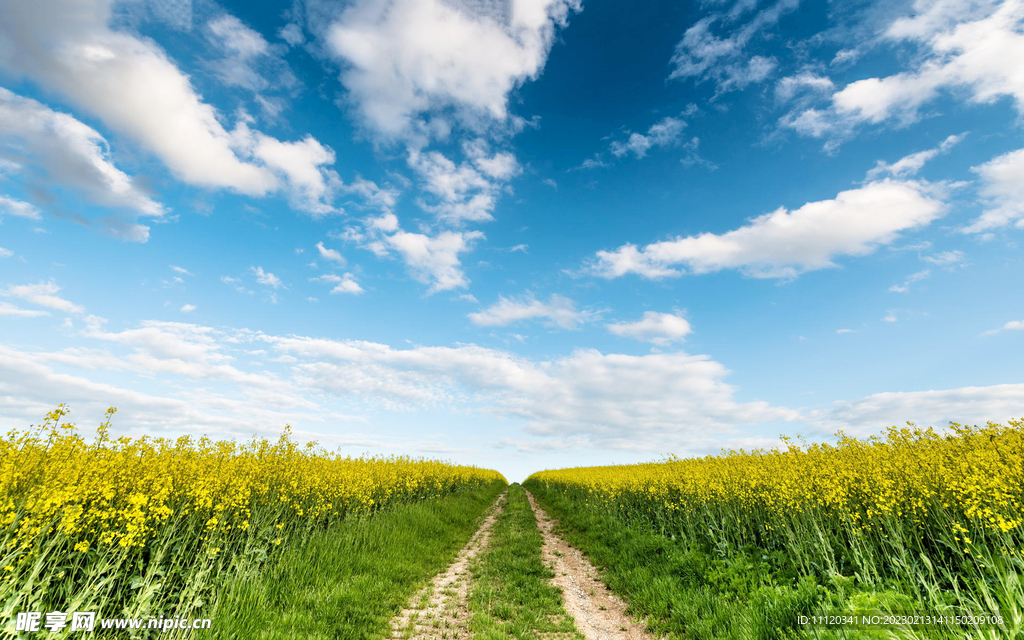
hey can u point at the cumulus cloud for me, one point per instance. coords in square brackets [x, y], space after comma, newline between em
[911, 164]
[310, 185]
[947, 259]
[434, 260]
[558, 310]
[465, 192]
[42, 294]
[965, 46]
[405, 85]
[1013, 325]
[265, 278]
[65, 153]
[784, 244]
[330, 254]
[342, 284]
[413, 90]
[703, 55]
[657, 328]
[640, 403]
[188, 308]
[613, 399]
[664, 133]
[247, 57]
[13, 311]
[806, 82]
[18, 208]
[937, 407]
[1002, 186]
[131, 85]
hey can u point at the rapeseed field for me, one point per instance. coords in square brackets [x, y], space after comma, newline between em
[154, 526]
[933, 521]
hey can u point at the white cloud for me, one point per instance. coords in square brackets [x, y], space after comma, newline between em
[330, 254]
[693, 156]
[784, 244]
[657, 328]
[237, 284]
[381, 198]
[1002, 185]
[911, 164]
[243, 46]
[265, 278]
[181, 270]
[188, 308]
[641, 403]
[247, 59]
[292, 34]
[434, 260]
[474, 55]
[10, 310]
[310, 186]
[948, 259]
[703, 55]
[617, 400]
[64, 152]
[5, 253]
[805, 82]
[43, 294]
[591, 163]
[631, 402]
[740, 76]
[911, 279]
[965, 45]
[132, 85]
[664, 133]
[466, 192]
[966, 405]
[174, 354]
[558, 310]
[343, 284]
[1013, 325]
[11, 207]
[845, 331]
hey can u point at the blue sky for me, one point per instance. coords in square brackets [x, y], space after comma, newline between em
[526, 234]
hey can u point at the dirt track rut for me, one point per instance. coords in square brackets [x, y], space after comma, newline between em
[598, 613]
[440, 610]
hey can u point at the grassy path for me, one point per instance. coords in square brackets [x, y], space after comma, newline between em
[598, 613]
[513, 596]
[440, 611]
[349, 581]
[683, 593]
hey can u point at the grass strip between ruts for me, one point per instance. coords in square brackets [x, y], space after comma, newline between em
[512, 595]
[350, 580]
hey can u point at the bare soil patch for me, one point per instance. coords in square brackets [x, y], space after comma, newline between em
[598, 613]
[440, 610]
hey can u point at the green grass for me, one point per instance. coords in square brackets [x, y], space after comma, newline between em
[512, 596]
[350, 580]
[692, 594]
